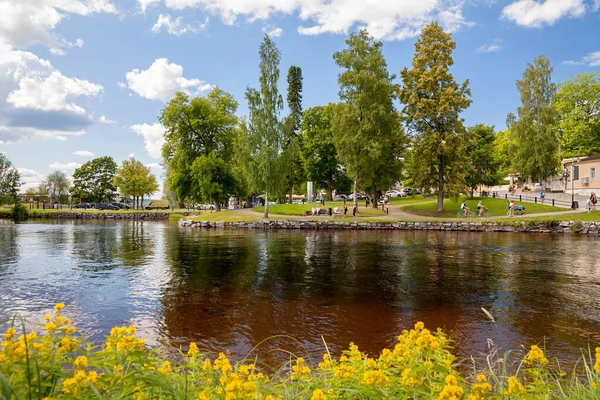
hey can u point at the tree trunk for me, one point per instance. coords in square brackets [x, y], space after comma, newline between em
[142, 204]
[330, 188]
[266, 204]
[291, 200]
[218, 203]
[355, 201]
[440, 199]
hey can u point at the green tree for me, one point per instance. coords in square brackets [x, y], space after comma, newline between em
[318, 151]
[265, 130]
[578, 105]
[366, 128]
[534, 130]
[484, 166]
[57, 185]
[196, 128]
[433, 103]
[503, 144]
[214, 178]
[134, 180]
[10, 181]
[94, 180]
[292, 147]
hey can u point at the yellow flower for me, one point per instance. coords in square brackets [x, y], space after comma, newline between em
[59, 307]
[326, 364]
[51, 327]
[451, 389]
[597, 364]
[480, 388]
[93, 377]
[166, 368]
[10, 334]
[318, 395]
[47, 317]
[300, 370]
[270, 397]
[375, 377]
[536, 355]
[514, 386]
[81, 362]
[222, 364]
[193, 350]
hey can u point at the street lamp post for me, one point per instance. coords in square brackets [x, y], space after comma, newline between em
[573, 182]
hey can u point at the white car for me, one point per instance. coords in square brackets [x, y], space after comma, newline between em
[392, 194]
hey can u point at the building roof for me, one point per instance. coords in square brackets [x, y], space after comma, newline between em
[591, 158]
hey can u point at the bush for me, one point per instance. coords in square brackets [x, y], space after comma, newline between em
[19, 211]
[60, 364]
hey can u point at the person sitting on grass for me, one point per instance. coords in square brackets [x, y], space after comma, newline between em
[464, 208]
[480, 208]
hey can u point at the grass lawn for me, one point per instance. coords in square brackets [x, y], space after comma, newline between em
[593, 216]
[409, 200]
[300, 209]
[225, 216]
[498, 207]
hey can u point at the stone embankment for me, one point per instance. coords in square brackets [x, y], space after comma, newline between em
[592, 228]
[156, 216]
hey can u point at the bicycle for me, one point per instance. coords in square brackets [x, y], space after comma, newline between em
[467, 214]
[485, 214]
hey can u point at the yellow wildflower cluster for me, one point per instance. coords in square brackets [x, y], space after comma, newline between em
[122, 338]
[536, 356]
[419, 366]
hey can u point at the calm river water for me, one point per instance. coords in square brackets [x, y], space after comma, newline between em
[229, 290]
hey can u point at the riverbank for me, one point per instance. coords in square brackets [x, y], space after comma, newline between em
[532, 226]
[101, 214]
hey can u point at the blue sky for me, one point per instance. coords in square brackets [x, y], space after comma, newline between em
[88, 78]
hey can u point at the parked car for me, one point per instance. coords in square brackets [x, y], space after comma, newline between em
[340, 197]
[359, 196]
[297, 202]
[122, 206]
[106, 206]
[392, 194]
[83, 205]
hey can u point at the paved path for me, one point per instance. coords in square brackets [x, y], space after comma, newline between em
[396, 213]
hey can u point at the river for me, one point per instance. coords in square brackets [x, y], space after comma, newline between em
[230, 290]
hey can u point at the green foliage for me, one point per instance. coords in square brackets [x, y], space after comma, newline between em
[213, 178]
[265, 139]
[10, 181]
[134, 179]
[94, 180]
[534, 130]
[292, 148]
[18, 211]
[196, 128]
[577, 226]
[503, 145]
[318, 152]
[57, 186]
[484, 165]
[433, 103]
[366, 127]
[578, 105]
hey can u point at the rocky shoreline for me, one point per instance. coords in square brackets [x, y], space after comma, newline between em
[592, 228]
[149, 216]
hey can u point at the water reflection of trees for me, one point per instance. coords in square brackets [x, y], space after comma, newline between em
[9, 251]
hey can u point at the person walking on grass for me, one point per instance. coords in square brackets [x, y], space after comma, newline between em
[593, 201]
[345, 210]
[480, 208]
[354, 211]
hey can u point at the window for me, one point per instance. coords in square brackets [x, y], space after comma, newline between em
[576, 173]
[592, 173]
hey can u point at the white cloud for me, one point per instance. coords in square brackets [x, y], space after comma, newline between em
[26, 22]
[162, 80]
[176, 27]
[384, 19]
[30, 178]
[83, 153]
[536, 13]
[492, 47]
[154, 165]
[145, 3]
[77, 43]
[65, 167]
[104, 120]
[592, 60]
[131, 155]
[273, 31]
[57, 51]
[153, 137]
[37, 100]
[52, 93]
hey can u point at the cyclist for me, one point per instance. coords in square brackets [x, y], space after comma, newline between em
[464, 208]
[480, 208]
